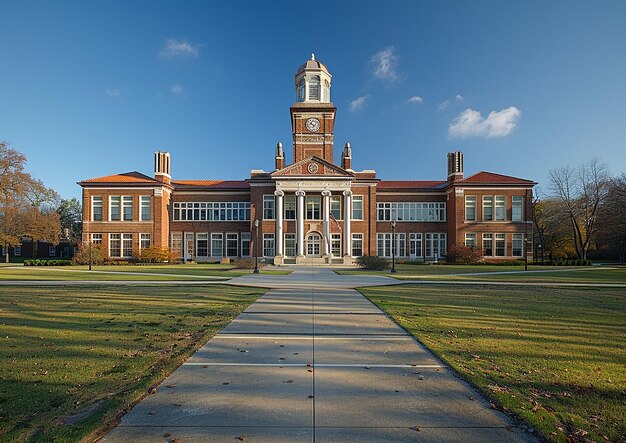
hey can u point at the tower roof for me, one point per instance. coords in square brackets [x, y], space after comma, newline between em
[313, 65]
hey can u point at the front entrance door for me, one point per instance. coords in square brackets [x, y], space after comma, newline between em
[313, 244]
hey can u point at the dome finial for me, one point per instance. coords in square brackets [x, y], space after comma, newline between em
[312, 56]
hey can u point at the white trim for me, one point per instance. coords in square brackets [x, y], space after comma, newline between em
[226, 234]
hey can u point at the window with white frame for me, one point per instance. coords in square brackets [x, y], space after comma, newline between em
[500, 207]
[127, 245]
[470, 208]
[115, 245]
[314, 88]
[517, 245]
[410, 212]
[145, 241]
[488, 245]
[96, 239]
[217, 244]
[211, 211]
[470, 240]
[384, 244]
[268, 207]
[177, 243]
[268, 245]
[96, 208]
[290, 207]
[290, 245]
[232, 243]
[357, 207]
[400, 244]
[335, 244]
[335, 207]
[127, 207]
[357, 245]
[245, 244]
[115, 208]
[202, 244]
[517, 208]
[487, 208]
[145, 213]
[415, 244]
[313, 207]
[500, 245]
[52, 251]
[436, 244]
[17, 250]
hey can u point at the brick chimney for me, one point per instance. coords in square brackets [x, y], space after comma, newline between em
[455, 166]
[346, 157]
[162, 167]
[280, 157]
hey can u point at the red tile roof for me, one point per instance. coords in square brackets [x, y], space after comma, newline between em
[211, 184]
[411, 184]
[126, 177]
[484, 177]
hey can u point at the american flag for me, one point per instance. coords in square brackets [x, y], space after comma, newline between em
[332, 217]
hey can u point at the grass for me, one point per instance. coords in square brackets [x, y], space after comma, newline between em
[74, 358]
[108, 273]
[556, 357]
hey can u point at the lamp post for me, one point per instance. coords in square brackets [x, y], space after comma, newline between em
[540, 250]
[393, 247]
[90, 256]
[525, 253]
[256, 247]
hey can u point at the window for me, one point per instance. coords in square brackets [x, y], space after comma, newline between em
[357, 245]
[245, 244]
[202, 245]
[313, 207]
[415, 244]
[470, 240]
[301, 90]
[411, 212]
[335, 244]
[127, 245]
[52, 251]
[17, 250]
[470, 208]
[115, 208]
[357, 207]
[400, 244]
[314, 88]
[145, 202]
[211, 211]
[217, 244]
[231, 244]
[517, 245]
[290, 207]
[145, 241]
[268, 207]
[127, 206]
[384, 245]
[435, 245]
[500, 245]
[488, 245]
[177, 243]
[500, 208]
[517, 206]
[115, 245]
[487, 208]
[290, 245]
[335, 207]
[268, 245]
[96, 208]
[96, 239]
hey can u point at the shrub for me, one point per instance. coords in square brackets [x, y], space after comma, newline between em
[246, 263]
[372, 263]
[98, 255]
[53, 262]
[157, 254]
[463, 255]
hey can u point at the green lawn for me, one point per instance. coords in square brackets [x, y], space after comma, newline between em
[107, 273]
[554, 356]
[74, 358]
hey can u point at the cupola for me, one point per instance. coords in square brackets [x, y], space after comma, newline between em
[312, 82]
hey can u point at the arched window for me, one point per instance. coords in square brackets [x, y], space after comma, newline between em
[301, 90]
[314, 88]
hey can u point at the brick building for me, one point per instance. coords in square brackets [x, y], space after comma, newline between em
[313, 210]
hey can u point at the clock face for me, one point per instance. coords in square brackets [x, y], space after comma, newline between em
[313, 124]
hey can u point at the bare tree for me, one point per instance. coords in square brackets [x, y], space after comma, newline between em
[582, 190]
[612, 219]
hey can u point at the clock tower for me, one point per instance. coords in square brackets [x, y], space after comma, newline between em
[313, 114]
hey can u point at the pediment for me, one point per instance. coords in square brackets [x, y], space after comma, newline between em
[312, 167]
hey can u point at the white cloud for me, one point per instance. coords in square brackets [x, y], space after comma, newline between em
[416, 99]
[358, 103]
[384, 63]
[114, 92]
[447, 102]
[459, 98]
[471, 123]
[177, 89]
[179, 49]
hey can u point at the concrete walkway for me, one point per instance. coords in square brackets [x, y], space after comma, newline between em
[313, 360]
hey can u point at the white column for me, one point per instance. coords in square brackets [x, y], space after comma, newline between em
[326, 222]
[347, 215]
[279, 223]
[300, 222]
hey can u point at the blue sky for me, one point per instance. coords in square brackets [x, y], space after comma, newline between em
[94, 88]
